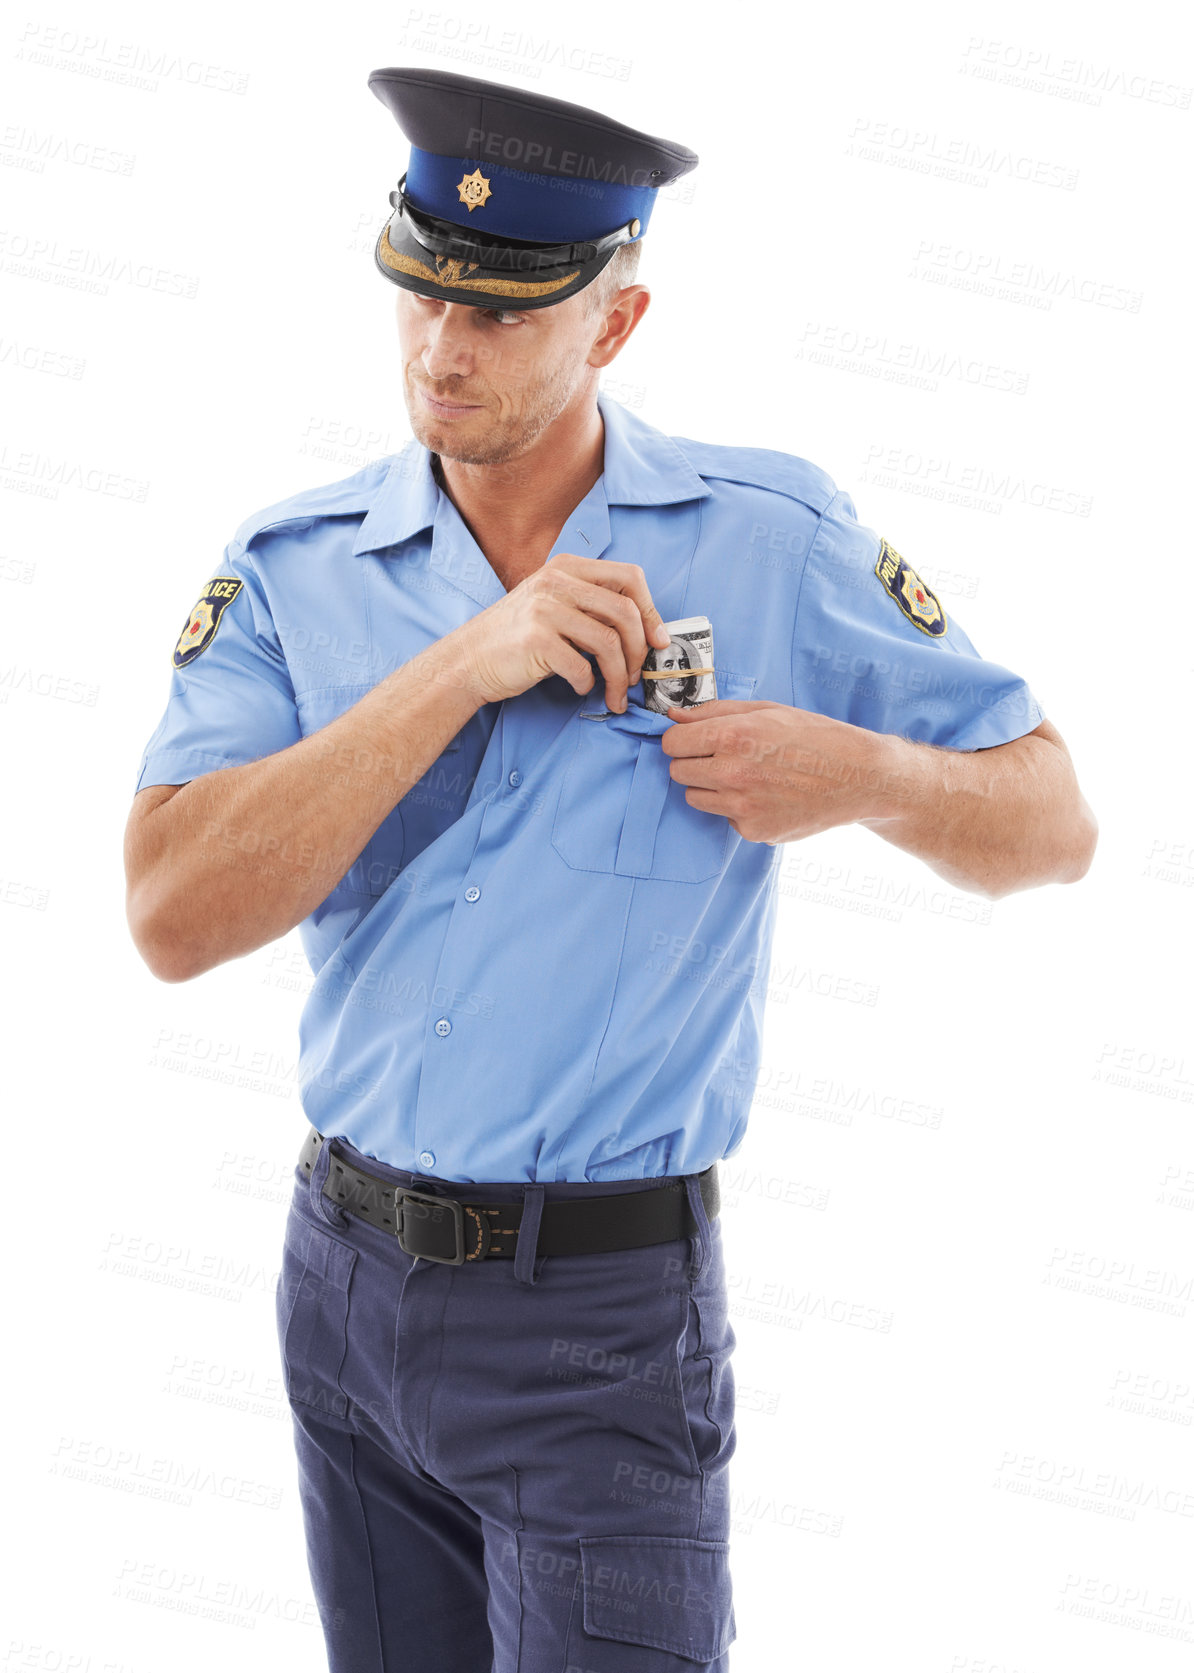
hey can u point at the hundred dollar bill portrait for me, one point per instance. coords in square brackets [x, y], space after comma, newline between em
[683, 669]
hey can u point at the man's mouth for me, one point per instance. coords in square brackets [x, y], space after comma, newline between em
[445, 409]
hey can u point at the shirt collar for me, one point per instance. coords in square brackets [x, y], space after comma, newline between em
[405, 504]
[642, 467]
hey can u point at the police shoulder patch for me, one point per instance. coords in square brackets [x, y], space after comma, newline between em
[915, 598]
[204, 619]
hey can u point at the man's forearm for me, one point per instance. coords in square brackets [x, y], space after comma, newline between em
[240, 856]
[991, 820]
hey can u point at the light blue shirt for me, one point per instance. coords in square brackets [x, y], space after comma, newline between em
[545, 962]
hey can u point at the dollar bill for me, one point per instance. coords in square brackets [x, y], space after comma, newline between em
[681, 673]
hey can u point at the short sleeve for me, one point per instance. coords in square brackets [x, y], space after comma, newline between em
[231, 700]
[874, 646]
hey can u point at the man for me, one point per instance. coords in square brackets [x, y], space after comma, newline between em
[502, 1306]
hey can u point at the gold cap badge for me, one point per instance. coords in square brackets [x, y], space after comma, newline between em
[474, 190]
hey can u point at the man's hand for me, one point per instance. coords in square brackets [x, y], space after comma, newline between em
[777, 773]
[992, 820]
[569, 605]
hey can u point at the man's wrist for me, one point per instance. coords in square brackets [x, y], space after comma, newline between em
[446, 663]
[907, 778]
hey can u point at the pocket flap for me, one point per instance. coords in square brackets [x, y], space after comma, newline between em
[669, 1594]
[324, 1256]
[312, 1310]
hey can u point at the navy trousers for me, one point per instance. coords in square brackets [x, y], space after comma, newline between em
[513, 1466]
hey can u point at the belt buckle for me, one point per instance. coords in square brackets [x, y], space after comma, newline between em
[432, 1212]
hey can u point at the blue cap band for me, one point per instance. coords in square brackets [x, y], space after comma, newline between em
[539, 208]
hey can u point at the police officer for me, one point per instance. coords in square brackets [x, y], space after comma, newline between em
[406, 715]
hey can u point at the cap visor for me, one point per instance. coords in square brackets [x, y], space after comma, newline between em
[406, 262]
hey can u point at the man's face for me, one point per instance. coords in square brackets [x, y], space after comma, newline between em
[482, 384]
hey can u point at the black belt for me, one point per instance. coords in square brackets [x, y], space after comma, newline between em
[437, 1226]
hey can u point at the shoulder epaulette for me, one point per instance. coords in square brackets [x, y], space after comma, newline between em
[761, 467]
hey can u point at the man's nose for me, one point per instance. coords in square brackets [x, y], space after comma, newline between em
[448, 347]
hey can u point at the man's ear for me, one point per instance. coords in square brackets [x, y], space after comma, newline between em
[626, 308]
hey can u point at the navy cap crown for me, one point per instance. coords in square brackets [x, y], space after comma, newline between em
[461, 116]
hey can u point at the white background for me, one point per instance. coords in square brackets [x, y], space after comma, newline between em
[960, 1225]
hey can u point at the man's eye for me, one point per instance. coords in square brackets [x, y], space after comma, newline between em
[504, 316]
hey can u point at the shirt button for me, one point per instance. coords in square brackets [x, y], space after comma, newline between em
[426, 1158]
[443, 1026]
[472, 892]
[516, 778]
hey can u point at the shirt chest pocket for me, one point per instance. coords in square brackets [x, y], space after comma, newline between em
[619, 809]
[381, 859]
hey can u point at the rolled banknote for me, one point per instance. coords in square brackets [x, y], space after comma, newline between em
[682, 672]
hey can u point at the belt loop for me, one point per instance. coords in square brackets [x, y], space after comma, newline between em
[528, 1234]
[702, 1240]
[324, 1207]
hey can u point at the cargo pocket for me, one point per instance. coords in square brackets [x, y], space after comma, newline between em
[312, 1311]
[620, 810]
[651, 1592]
[701, 1376]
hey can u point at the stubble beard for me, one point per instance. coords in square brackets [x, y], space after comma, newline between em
[537, 407]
